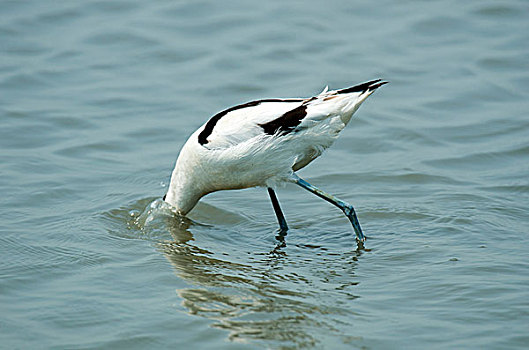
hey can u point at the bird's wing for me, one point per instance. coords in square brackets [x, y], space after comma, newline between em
[243, 122]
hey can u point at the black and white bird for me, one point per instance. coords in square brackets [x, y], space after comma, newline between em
[263, 143]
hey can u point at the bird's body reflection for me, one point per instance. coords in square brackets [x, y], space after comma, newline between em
[278, 295]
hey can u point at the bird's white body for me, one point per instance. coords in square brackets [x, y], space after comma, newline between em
[260, 143]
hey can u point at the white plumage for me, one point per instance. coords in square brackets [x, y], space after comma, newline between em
[262, 143]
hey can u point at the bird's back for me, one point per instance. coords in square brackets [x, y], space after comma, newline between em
[284, 118]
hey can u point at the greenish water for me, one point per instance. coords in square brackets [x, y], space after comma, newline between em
[97, 97]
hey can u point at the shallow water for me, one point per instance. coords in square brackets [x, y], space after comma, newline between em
[96, 99]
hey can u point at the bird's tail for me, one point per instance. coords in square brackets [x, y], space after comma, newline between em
[346, 101]
[369, 86]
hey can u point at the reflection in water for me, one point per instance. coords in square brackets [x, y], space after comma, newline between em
[272, 297]
[286, 294]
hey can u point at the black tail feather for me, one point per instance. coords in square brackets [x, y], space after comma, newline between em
[377, 85]
[370, 85]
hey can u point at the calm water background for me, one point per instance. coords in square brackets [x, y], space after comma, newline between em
[97, 97]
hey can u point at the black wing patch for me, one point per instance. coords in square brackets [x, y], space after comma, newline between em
[208, 129]
[287, 122]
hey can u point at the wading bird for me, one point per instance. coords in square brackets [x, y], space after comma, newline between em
[263, 143]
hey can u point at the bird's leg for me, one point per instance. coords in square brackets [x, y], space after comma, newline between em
[280, 217]
[344, 206]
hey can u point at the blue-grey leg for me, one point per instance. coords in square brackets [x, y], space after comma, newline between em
[347, 208]
[280, 217]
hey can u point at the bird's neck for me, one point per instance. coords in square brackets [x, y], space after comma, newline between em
[183, 194]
